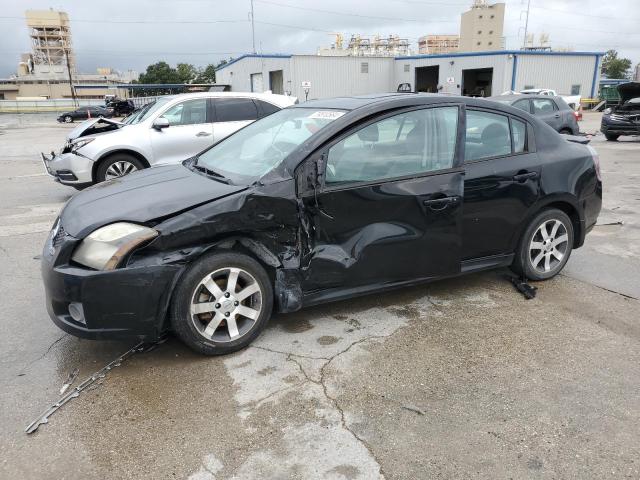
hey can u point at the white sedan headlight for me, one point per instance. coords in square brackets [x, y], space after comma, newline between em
[76, 144]
[107, 246]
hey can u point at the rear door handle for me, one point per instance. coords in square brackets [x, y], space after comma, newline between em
[523, 177]
[203, 134]
[438, 204]
[557, 115]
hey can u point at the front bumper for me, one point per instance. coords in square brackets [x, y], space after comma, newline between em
[121, 303]
[68, 168]
[617, 127]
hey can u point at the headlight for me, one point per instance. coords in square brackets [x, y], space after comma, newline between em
[80, 143]
[107, 246]
[607, 111]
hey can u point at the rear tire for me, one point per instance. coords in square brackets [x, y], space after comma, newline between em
[222, 303]
[545, 246]
[611, 137]
[117, 165]
[566, 131]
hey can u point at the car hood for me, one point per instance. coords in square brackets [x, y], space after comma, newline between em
[141, 197]
[87, 127]
[628, 91]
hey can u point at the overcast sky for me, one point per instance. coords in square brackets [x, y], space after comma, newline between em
[131, 34]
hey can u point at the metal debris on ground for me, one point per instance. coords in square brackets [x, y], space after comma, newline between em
[411, 408]
[521, 284]
[619, 222]
[86, 383]
[69, 381]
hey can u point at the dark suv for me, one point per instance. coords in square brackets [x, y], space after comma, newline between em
[318, 202]
[624, 118]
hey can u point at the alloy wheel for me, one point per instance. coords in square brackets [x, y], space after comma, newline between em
[548, 246]
[226, 304]
[119, 169]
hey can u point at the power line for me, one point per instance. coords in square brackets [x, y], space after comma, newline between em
[352, 14]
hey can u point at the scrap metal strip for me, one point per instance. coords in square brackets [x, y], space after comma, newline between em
[75, 392]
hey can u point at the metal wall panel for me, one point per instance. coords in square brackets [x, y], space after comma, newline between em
[557, 72]
[341, 76]
[238, 74]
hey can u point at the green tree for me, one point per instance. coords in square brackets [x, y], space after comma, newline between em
[614, 67]
[160, 72]
[206, 75]
[186, 73]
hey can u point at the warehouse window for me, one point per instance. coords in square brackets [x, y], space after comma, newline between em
[479, 32]
[492, 16]
[364, 67]
[528, 87]
[479, 43]
[479, 16]
[575, 89]
[490, 43]
[407, 67]
[490, 32]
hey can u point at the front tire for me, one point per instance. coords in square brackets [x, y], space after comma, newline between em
[117, 165]
[545, 246]
[221, 303]
[611, 137]
[68, 119]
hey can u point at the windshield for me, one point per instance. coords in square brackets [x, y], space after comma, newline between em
[146, 111]
[255, 150]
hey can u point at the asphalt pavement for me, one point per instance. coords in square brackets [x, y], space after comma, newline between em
[462, 378]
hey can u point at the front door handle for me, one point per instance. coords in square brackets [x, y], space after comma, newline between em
[203, 134]
[524, 176]
[438, 204]
[557, 115]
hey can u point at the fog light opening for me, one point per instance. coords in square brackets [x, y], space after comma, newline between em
[76, 312]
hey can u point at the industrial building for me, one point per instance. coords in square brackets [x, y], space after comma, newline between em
[477, 74]
[45, 71]
[481, 27]
[438, 44]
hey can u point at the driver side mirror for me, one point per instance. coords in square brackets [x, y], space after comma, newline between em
[309, 177]
[160, 123]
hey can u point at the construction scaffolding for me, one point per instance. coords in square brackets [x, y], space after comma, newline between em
[50, 34]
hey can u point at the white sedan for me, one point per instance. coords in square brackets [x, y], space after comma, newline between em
[169, 130]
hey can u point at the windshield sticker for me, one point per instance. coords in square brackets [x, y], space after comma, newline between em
[326, 114]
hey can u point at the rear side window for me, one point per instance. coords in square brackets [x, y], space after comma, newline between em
[523, 105]
[409, 143]
[266, 108]
[487, 135]
[542, 106]
[519, 132]
[235, 109]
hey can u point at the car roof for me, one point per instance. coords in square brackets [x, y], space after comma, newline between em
[269, 97]
[388, 100]
[515, 97]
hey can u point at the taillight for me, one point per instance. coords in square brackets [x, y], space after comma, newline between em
[596, 161]
[578, 114]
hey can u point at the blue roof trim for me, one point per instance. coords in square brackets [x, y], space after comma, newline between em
[501, 52]
[254, 55]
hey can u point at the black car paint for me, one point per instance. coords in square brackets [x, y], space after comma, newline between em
[82, 113]
[314, 248]
[623, 119]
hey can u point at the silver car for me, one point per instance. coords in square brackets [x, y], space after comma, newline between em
[170, 130]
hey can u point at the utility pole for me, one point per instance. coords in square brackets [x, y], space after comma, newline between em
[253, 30]
[73, 90]
[526, 26]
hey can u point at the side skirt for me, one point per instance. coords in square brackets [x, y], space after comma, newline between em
[467, 266]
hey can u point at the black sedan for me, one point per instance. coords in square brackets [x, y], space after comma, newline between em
[321, 201]
[83, 113]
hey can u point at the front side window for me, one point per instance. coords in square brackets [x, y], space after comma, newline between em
[487, 135]
[410, 143]
[542, 106]
[235, 109]
[191, 112]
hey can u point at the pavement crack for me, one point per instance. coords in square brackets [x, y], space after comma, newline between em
[288, 353]
[600, 287]
[53, 344]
